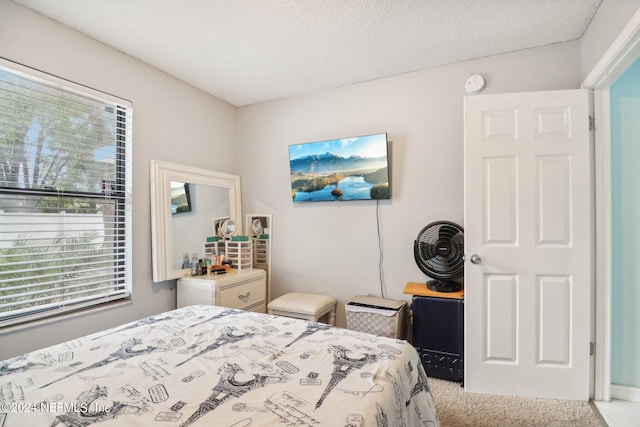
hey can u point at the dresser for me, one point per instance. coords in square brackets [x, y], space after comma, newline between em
[244, 289]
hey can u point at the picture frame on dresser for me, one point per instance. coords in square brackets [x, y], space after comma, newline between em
[259, 228]
[257, 224]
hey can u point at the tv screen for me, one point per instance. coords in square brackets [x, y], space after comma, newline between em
[340, 169]
[180, 197]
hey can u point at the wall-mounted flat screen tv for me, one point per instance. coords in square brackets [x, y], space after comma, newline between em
[180, 197]
[340, 169]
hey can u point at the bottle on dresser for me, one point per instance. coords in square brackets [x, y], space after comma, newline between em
[195, 265]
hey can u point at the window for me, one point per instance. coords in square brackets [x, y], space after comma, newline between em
[65, 199]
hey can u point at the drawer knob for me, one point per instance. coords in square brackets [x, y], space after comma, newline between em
[245, 297]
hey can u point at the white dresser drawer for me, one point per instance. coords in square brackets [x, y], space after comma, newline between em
[260, 308]
[246, 290]
[242, 295]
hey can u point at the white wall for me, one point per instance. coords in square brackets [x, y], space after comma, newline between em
[172, 121]
[332, 247]
[609, 20]
[328, 248]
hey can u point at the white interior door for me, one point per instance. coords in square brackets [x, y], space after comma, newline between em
[528, 219]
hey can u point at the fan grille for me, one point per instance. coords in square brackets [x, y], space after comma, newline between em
[439, 250]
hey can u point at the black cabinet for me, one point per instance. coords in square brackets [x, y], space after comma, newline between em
[438, 335]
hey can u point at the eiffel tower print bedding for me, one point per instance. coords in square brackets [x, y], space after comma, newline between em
[213, 366]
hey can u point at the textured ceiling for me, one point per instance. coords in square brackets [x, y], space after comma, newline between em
[248, 51]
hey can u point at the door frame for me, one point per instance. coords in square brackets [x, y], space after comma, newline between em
[621, 54]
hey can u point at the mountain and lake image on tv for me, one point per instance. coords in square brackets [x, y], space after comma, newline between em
[340, 169]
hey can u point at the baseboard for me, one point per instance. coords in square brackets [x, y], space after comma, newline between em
[623, 392]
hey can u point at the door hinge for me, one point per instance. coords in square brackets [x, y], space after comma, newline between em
[592, 348]
[592, 123]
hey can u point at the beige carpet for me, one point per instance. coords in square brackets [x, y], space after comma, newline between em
[457, 408]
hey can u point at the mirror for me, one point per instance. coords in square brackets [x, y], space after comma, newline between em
[196, 196]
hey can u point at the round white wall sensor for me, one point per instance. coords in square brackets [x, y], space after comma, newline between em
[475, 84]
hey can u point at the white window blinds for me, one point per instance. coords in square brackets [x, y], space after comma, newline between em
[65, 199]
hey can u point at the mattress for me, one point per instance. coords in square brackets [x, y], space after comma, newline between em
[213, 366]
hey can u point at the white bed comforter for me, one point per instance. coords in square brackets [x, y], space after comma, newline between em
[212, 366]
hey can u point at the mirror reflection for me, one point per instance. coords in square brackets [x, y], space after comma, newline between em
[192, 224]
[180, 197]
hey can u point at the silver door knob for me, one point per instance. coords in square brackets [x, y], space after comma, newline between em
[475, 259]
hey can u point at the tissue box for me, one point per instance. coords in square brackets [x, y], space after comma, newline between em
[376, 315]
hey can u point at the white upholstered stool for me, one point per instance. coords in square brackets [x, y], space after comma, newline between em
[302, 305]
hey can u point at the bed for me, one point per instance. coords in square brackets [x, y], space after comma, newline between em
[214, 366]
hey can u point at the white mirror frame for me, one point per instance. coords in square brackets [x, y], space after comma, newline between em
[161, 175]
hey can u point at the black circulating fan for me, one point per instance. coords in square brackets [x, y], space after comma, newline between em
[439, 253]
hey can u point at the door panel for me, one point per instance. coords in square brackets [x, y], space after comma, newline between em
[500, 296]
[528, 217]
[553, 296]
[500, 174]
[554, 190]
